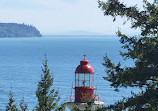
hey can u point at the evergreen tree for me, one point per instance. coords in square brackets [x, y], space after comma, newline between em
[23, 106]
[144, 52]
[47, 97]
[11, 106]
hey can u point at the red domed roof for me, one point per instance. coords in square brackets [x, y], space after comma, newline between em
[84, 67]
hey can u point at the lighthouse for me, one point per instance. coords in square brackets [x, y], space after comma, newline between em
[84, 87]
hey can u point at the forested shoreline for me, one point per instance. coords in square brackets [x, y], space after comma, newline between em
[18, 30]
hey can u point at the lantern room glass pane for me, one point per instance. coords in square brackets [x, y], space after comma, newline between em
[87, 77]
[84, 80]
[92, 80]
[87, 83]
[81, 76]
[81, 84]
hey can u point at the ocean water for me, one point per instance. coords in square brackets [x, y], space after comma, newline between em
[21, 60]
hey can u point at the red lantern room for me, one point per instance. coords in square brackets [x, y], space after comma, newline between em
[84, 82]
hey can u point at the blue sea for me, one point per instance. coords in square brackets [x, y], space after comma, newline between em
[21, 61]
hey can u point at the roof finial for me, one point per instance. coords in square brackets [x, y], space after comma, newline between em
[84, 56]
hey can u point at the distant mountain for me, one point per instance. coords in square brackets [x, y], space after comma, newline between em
[82, 33]
[18, 30]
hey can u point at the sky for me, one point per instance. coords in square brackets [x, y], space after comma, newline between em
[59, 17]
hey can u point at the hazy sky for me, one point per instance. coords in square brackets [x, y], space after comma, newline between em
[62, 16]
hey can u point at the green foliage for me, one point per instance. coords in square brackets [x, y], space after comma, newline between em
[86, 98]
[144, 52]
[23, 106]
[18, 30]
[47, 97]
[146, 19]
[61, 107]
[11, 106]
[75, 108]
[89, 103]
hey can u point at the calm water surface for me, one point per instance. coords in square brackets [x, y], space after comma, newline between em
[21, 61]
